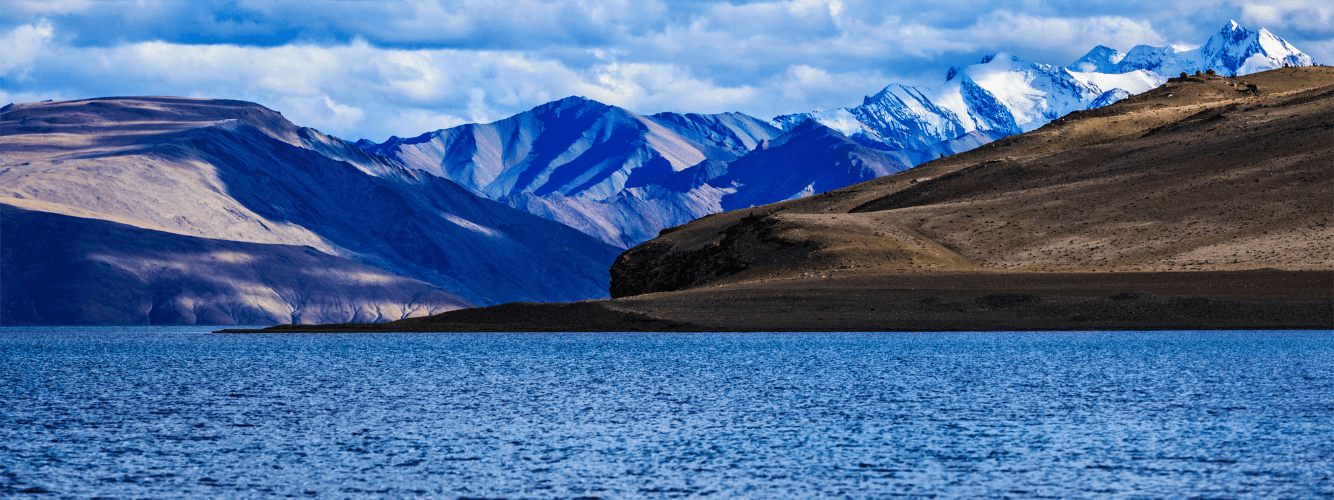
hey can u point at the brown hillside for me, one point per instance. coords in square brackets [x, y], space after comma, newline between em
[1199, 174]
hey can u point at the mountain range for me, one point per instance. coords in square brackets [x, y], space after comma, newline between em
[143, 210]
[1233, 50]
[623, 177]
[1199, 205]
[189, 174]
[1005, 94]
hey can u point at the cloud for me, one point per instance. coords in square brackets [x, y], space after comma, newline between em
[359, 90]
[806, 88]
[19, 48]
[363, 68]
[48, 7]
[1042, 33]
[476, 24]
[1309, 18]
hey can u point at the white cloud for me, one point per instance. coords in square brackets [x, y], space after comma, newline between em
[1027, 31]
[403, 67]
[19, 48]
[413, 122]
[1322, 52]
[357, 90]
[807, 88]
[1000, 31]
[1286, 13]
[1308, 25]
[343, 116]
[650, 87]
[48, 7]
[7, 97]
[1314, 18]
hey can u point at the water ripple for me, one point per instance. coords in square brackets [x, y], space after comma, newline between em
[154, 412]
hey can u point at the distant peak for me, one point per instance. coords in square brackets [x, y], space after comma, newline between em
[1234, 31]
[574, 99]
[810, 127]
[953, 72]
[1001, 56]
[572, 102]
[806, 126]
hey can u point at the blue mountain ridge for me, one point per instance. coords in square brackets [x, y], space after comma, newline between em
[229, 170]
[623, 177]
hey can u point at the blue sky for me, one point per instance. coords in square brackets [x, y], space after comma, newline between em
[374, 68]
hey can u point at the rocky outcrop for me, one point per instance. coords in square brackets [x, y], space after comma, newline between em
[661, 266]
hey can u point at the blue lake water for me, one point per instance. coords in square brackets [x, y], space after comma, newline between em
[170, 412]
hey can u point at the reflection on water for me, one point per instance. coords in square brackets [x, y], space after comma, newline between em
[152, 412]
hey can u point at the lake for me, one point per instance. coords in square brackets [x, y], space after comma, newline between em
[179, 411]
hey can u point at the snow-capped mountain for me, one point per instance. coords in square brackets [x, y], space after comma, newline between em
[622, 177]
[1102, 59]
[1233, 50]
[1004, 94]
[611, 173]
[1001, 95]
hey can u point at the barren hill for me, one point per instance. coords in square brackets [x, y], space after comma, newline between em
[1201, 174]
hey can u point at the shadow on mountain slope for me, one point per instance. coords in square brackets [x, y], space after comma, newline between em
[58, 269]
[237, 171]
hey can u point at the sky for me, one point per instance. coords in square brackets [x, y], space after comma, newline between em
[375, 68]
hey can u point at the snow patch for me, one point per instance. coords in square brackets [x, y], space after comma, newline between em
[472, 226]
[806, 191]
[1133, 82]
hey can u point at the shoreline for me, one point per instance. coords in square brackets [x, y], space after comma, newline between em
[1206, 300]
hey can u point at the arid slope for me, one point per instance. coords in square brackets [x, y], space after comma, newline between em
[1201, 174]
